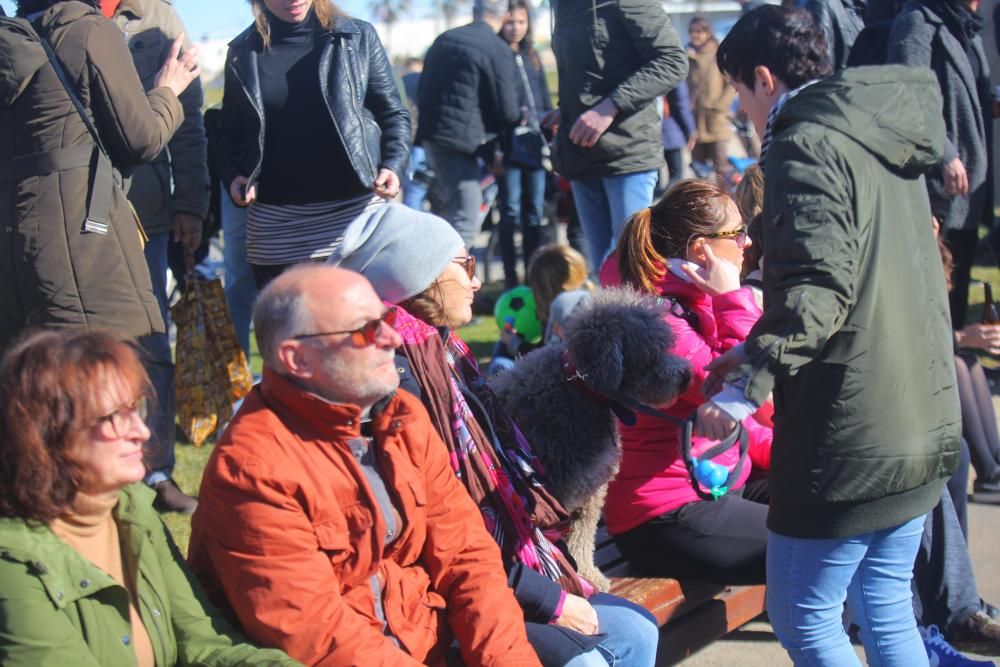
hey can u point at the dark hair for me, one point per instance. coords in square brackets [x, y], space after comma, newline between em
[526, 46]
[691, 208]
[753, 253]
[48, 404]
[28, 7]
[786, 41]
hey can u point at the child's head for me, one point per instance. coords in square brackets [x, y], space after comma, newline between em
[750, 193]
[692, 215]
[553, 269]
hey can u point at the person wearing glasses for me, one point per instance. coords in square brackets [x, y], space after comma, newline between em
[687, 249]
[90, 575]
[419, 263]
[329, 518]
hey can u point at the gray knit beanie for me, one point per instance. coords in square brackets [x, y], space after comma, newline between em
[401, 251]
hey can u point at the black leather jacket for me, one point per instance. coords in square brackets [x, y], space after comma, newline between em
[361, 93]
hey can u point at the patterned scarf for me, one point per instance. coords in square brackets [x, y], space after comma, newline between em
[492, 459]
[765, 142]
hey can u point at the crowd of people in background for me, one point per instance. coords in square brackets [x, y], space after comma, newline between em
[372, 501]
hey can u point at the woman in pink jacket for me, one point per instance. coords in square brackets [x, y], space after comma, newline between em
[688, 249]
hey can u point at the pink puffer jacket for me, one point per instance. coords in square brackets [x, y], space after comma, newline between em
[652, 479]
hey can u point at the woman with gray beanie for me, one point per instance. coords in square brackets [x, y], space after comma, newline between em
[418, 262]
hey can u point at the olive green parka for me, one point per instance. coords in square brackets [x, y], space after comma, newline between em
[57, 608]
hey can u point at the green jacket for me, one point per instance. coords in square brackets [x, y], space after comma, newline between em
[855, 339]
[56, 608]
[623, 49]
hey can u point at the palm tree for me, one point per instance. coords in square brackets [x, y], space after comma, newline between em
[389, 12]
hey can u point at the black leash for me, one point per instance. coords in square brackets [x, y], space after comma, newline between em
[701, 470]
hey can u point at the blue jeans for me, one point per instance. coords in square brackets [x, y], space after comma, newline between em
[604, 204]
[522, 198]
[241, 291]
[158, 453]
[631, 635]
[808, 581]
[456, 184]
[414, 187]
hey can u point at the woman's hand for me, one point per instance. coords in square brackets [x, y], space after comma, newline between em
[956, 181]
[578, 614]
[242, 191]
[981, 337]
[550, 120]
[718, 276]
[713, 422]
[179, 70]
[387, 183]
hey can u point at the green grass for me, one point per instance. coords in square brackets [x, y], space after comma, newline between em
[480, 334]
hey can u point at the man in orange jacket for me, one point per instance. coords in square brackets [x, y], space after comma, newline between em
[329, 517]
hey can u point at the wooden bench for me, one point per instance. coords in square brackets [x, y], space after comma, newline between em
[691, 614]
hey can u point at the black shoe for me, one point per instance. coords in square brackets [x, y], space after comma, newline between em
[986, 486]
[976, 633]
[169, 498]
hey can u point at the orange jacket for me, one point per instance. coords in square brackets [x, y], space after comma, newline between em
[288, 531]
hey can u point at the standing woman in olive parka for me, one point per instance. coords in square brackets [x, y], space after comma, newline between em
[313, 130]
[70, 246]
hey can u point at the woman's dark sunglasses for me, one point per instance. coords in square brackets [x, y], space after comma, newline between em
[469, 262]
[738, 234]
[362, 336]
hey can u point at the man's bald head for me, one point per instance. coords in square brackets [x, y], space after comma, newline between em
[286, 307]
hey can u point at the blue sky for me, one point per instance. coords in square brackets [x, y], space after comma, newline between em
[226, 18]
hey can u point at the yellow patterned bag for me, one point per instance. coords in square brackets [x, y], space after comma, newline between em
[212, 370]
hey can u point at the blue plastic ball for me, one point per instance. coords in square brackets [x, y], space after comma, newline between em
[710, 474]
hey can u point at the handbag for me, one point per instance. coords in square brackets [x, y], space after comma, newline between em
[212, 370]
[528, 147]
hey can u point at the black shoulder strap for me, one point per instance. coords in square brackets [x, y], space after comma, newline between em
[71, 91]
[102, 180]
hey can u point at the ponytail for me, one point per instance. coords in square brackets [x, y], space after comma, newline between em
[639, 264]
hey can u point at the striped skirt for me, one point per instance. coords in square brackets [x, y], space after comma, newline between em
[291, 233]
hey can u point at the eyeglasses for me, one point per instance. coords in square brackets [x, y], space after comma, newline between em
[117, 423]
[469, 262]
[739, 234]
[363, 335]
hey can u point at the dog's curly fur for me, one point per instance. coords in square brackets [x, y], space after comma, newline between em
[618, 340]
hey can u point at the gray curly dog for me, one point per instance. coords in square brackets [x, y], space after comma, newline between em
[618, 342]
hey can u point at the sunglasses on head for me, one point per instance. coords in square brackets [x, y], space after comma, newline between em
[469, 263]
[363, 335]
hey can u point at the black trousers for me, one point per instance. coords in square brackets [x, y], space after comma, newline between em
[722, 541]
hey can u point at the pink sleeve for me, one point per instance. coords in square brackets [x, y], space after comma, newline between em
[735, 314]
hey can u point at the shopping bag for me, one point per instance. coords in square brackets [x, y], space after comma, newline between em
[212, 372]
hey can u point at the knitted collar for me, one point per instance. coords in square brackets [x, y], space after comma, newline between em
[765, 141]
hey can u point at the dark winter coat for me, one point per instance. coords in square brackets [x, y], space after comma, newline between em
[855, 339]
[841, 21]
[679, 125]
[468, 95]
[176, 181]
[55, 272]
[625, 50]
[364, 103]
[920, 38]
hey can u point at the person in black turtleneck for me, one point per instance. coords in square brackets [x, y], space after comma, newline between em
[944, 35]
[313, 130]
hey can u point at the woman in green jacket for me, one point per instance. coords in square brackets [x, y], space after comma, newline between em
[89, 575]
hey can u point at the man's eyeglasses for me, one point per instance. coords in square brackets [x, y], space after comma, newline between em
[739, 234]
[363, 335]
[117, 423]
[469, 263]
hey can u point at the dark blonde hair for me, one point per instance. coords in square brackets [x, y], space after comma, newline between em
[555, 268]
[49, 384]
[324, 10]
[690, 209]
